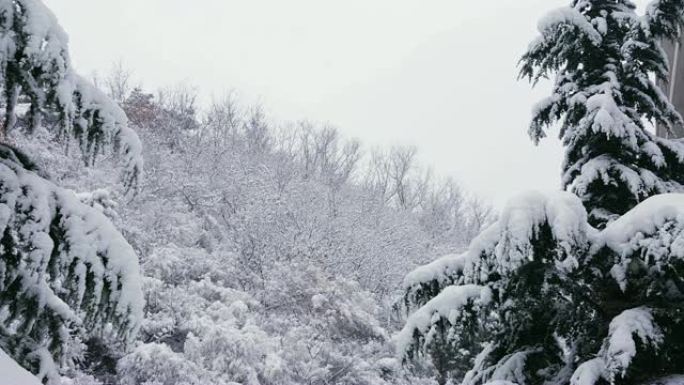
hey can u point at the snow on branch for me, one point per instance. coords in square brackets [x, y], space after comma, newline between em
[522, 219]
[664, 18]
[445, 305]
[644, 219]
[511, 368]
[643, 247]
[509, 239]
[95, 119]
[620, 347]
[65, 268]
[651, 234]
[34, 63]
[440, 269]
[567, 16]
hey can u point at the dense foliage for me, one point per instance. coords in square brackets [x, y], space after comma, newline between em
[603, 55]
[35, 68]
[270, 254]
[543, 296]
[66, 273]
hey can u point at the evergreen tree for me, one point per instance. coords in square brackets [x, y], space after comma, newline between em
[35, 65]
[542, 296]
[66, 273]
[603, 54]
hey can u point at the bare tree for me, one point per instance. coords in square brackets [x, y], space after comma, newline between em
[257, 132]
[119, 82]
[348, 160]
[442, 214]
[377, 175]
[323, 153]
[181, 98]
[306, 145]
[409, 183]
[479, 215]
[223, 121]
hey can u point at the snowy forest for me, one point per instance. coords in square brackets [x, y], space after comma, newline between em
[149, 238]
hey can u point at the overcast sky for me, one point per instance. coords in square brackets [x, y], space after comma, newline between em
[437, 74]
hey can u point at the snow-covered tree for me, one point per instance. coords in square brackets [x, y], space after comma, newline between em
[35, 67]
[603, 54]
[267, 258]
[543, 296]
[66, 273]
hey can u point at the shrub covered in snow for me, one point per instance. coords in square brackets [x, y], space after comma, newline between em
[270, 256]
[303, 328]
[257, 271]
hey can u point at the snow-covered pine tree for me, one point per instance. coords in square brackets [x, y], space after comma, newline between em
[66, 273]
[542, 297]
[603, 54]
[35, 65]
[496, 306]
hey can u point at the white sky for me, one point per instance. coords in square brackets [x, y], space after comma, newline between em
[437, 74]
